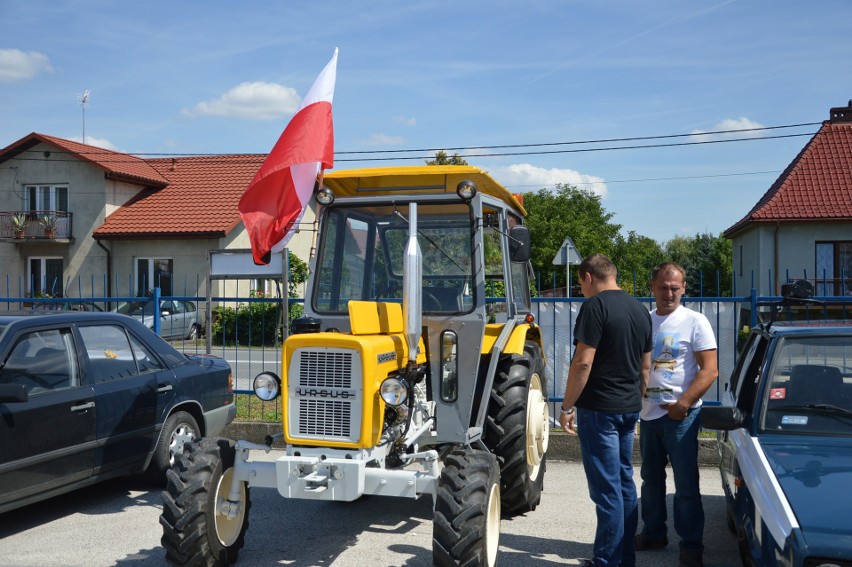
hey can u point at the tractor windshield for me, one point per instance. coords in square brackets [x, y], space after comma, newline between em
[361, 251]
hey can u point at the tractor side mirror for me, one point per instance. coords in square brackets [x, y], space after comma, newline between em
[519, 243]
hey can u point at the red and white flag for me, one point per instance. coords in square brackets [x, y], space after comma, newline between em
[276, 198]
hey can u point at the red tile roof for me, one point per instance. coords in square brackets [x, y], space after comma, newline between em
[200, 201]
[816, 186]
[116, 165]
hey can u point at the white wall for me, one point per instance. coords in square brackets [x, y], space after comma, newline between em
[755, 249]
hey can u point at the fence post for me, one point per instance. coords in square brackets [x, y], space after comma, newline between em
[157, 322]
[753, 307]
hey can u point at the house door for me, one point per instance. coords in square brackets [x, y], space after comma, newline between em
[45, 276]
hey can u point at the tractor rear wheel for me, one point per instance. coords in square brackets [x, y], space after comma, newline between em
[518, 428]
[197, 528]
[466, 526]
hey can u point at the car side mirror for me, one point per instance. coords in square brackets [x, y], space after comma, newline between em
[13, 393]
[519, 243]
[723, 418]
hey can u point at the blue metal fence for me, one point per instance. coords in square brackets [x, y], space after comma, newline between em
[555, 315]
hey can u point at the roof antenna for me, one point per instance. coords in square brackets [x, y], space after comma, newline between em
[84, 100]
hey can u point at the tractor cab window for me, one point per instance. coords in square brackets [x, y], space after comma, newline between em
[361, 257]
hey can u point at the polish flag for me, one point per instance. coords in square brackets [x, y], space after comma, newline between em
[275, 200]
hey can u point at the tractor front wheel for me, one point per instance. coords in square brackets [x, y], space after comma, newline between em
[200, 525]
[466, 526]
[518, 428]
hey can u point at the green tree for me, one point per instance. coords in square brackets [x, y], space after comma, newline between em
[567, 211]
[441, 158]
[635, 256]
[704, 256]
[298, 276]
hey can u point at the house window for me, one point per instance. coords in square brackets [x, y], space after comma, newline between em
[154, 272]
[264, 287]
[45, 276]
[834, 268]
[41, 198]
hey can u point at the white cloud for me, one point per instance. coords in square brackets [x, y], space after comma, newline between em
[253, 101]
[523, 177]
[408, 121]
[379, 139]
[742, 123]
[17, 65]
[97, 142]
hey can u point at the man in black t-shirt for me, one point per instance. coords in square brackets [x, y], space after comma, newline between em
[606, 381]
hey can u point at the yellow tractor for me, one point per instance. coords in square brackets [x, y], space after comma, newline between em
[417, 369]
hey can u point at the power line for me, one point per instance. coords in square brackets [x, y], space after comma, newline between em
[580, 150]
[577, 142]
[496, 154]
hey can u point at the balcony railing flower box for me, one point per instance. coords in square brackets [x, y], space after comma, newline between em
[35, 225]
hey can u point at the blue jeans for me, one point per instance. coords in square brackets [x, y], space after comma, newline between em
[606, 442]
[665, 440]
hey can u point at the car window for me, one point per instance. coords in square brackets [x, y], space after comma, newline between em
[136, 308]
[109, 351]
[43, 361]
[747, 374]
[810, 386]
[145, 359]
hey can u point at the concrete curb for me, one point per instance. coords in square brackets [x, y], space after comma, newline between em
[562, 447]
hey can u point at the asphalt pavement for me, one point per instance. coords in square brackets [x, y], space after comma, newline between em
[117, 524]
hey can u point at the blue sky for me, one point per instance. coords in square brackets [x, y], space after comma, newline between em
[225, 77]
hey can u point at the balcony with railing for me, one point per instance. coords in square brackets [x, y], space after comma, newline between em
[29, 226]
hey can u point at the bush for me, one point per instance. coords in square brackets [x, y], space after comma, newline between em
[254, 324]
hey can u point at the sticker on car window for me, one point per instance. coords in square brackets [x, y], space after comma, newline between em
[777, 393]
[794, 420]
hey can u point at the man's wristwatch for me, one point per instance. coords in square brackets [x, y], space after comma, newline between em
[569, 411]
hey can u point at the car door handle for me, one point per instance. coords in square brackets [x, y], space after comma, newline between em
[83, 407]
[166, 388]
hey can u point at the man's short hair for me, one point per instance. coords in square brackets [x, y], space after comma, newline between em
[667, 267]
[599, 266]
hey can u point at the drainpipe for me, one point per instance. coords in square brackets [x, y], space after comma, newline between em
[109, 271]
[775, 256]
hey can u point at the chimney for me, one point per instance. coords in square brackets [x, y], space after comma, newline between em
[841, 113]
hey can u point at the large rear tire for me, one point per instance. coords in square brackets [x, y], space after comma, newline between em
[518, 428]
[466, 526]
[197, 531]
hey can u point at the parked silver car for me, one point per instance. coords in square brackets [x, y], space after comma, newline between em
[178, 319]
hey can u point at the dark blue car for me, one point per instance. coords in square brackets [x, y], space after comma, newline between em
[785, 443]
[89, 396]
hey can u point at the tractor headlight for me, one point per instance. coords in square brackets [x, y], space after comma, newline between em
[394, 391]
[466, 190]
[267, 386]
[325, 196]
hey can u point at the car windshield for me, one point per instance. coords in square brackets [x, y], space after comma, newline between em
[362, 250]
[811, 386]
[136, 308]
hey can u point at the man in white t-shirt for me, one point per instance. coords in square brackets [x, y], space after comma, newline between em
[683, 367]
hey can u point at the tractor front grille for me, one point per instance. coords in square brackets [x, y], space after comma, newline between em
[325, 394]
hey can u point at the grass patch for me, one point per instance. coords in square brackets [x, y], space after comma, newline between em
[252, 408]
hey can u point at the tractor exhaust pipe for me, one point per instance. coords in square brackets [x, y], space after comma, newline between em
[412, 300]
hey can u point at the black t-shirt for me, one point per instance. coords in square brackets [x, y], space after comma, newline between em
[619, 328]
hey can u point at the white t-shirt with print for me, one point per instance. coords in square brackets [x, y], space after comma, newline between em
[677, 337]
